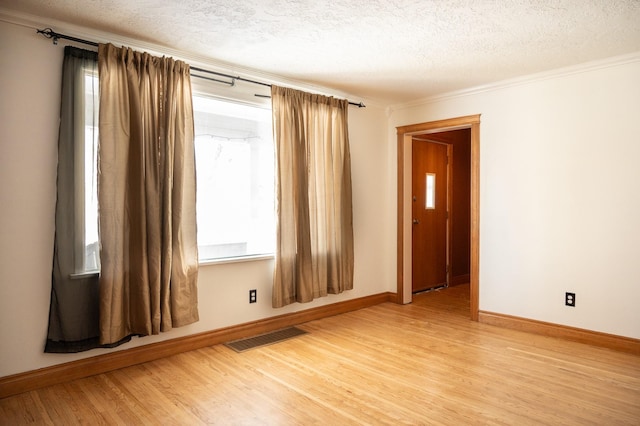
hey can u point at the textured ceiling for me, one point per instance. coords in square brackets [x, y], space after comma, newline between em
[391, 51]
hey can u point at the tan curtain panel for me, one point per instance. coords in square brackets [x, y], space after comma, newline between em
[146, 194]
[314, 253]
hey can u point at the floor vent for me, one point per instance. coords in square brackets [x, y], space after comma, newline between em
[264, 339]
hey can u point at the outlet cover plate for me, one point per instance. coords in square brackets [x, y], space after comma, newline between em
[570, 299]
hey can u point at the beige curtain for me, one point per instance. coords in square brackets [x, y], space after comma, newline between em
[146, 194]
[314, 253]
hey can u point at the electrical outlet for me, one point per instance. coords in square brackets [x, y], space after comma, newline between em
[570, 299]
[253, 296]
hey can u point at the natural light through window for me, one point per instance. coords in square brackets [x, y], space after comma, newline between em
[430, 197]
[235, 173]
[90, 261]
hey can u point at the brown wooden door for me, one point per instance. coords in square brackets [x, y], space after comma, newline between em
[430, 206]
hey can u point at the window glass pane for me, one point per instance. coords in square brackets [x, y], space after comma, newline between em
[234, 166]
[431, 191]
[91, 113]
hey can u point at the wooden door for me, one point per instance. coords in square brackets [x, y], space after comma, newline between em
[430, 215]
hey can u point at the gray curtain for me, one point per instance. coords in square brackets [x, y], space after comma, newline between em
[314, 238]
[74, 309]
[147, 194]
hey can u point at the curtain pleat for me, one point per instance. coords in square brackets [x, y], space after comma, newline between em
[146, 192]
[314, 241]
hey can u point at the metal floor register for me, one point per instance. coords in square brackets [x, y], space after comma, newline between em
[243, 345]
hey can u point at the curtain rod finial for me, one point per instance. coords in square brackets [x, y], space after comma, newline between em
[49, 33]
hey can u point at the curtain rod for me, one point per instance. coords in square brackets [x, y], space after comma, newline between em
[54, 36]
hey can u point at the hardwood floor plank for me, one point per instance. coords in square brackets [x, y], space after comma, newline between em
[389, 364]
[24, 409]
[413, 375]
[365, 389]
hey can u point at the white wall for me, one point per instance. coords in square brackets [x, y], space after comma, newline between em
[559, 193]
[30, 68]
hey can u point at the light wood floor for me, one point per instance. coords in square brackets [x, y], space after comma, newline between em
[424, 363]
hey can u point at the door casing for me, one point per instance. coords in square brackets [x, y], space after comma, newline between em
[404, 219]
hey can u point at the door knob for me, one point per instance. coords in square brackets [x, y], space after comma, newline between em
[416, 221]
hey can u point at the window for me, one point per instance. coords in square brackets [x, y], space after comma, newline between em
[87, 226]
[430, 195]
[235, 178]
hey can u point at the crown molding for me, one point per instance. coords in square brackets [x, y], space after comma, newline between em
[590, 66]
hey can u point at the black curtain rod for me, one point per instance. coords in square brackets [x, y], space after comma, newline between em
[54, 36]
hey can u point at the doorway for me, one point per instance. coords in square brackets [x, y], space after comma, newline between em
[405, 135]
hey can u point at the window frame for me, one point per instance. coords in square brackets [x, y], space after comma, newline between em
[241, 97]
[242, 94]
